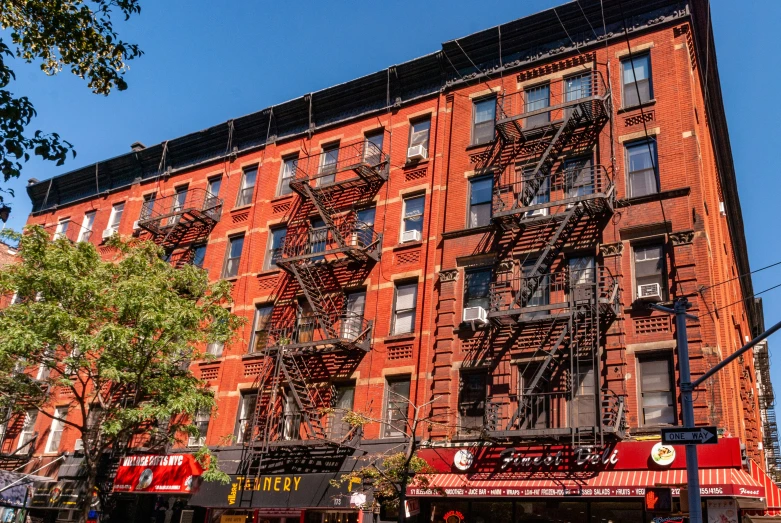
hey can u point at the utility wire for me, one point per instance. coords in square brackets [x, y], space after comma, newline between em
[742, 300]
[740, 276]
[567, 32]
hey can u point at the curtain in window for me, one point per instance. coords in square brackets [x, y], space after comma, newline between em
[413, 213]
[352, 325]
[655, 384]
[406, 298]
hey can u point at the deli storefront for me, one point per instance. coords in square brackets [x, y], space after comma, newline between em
[565, 485]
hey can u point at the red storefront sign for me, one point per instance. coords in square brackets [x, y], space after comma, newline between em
[155, 474]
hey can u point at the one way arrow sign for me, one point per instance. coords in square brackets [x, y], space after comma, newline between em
[694, 436]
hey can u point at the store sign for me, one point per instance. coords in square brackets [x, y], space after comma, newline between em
[550, 492]
[172, 474]
[61, 495]
[722, 510]
[582, 456]
[463, 459]
[454, 516]
[662, 454]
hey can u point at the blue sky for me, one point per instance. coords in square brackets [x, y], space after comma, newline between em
[207, 62]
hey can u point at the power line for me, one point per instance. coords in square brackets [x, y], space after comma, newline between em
[740, 276]
[744, 299]
[567, 32]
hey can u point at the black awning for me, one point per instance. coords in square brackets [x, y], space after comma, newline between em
[15, 488]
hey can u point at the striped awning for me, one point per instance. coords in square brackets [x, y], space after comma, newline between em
[713, 482]
[772, 492]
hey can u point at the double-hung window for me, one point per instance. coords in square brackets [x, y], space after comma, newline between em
[404, 307]
[537, 98]
[55, 432]
[372, 153]
[352, 322]
[260, 328]
[276, 241]
[641, 170]
[471, 401]
[247, 188]
[418, 137]
[201, 422]
[329, 159]
[412, 217]
[62, 228]
[342, 403]
[476, 288]
[287, 174]
[636, 80]
[86, 226]
[578, 177]
[28, 428]
[396, 405]
[213, 192]
[180, 200]
[480, 201]
[650, 266]
[147, 207]
[199, 255]
[116, 217]
[244, 418]
[483, 117]
[233, 256]
[657, 398]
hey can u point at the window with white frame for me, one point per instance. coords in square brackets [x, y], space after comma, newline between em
[28, 428]
[418, 136]
[201, 422]
[397, 390]
[641, 168]
[214, 186]
[86, 226]
[329, 160]
[260, 327]
[287, 174]
[62, 228]
[247, 188]
[115, 218]
[276, 241]
[244, 417]
[404, 305]
[372, 153]
[233, 256]
[476, 288]
[412, 215]
[650, 266]
[56, 429]
[657, 389]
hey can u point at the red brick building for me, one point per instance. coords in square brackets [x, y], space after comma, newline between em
[481, 228]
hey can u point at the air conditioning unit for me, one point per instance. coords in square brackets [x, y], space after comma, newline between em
[649, 292]
[79, 445]
[535, 212]
[417, 152]
[410, 236]
[108, 233]
[722, 209]
[136, 226]
[475, 315]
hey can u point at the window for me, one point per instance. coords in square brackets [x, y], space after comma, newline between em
[413, 214]
[86, 226]
[541, 284]
[233, 257]
[584, 411]
[214, 186]
[28, 428]
[329, 160]
[62, 228]
[537, 98]
[352, 324]
[287, 174]
[244, 418]
[536, 401]
[650, 266]
[342, 402]
[404, 307]
[577, 87]
[578, 177]
[43, 372]
[215, 348]
[476, 288]
[641, 162]
[373, 152]
[483, 116]
[542, 194]
[636, 81]
[55, 432]
[247, 186]
[418, 135]
[180, 198]
[116, 217]
[480, 201]
[656, 389]
[201, 422]
[275, 242]
[306, 322]
[582, 270]
[147, 207]
[364, 227]
[199, 255]
[471, 401]
[396, 406]
[260, 328]
[291, 418]
[318, 237]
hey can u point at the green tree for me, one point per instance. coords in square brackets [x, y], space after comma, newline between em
[118, 336]
[75, 34]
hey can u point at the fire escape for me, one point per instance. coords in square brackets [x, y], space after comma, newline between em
[185, 217]
[768, 412]
[548, 311]
[316, 330]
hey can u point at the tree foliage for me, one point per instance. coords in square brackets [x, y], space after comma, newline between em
[78, 35]
[116, 336]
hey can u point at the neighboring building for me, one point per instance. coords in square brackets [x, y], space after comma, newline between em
[481, 228]
[766, 397]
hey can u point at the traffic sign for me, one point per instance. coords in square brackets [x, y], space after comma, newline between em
[694, 436]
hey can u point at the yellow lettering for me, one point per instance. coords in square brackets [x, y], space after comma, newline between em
[240, 482]
[277, 481]
[257, 483]
[248, 484]
[286, 486]
[297, 480]
[266, 483]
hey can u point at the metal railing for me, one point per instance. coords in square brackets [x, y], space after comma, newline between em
[346, 327]
[554, 290]
[355, 235]
[564, 186]
[324, 168]
[550, 101]
[161, 213]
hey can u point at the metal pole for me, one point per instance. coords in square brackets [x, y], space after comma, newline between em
[687, 407]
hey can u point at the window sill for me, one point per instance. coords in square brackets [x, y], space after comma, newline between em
[242, 208]
[217, 360]
[268, 272]
[232, 279]
[651, 429]
[411, 164]
[400, 337]
[473, 146]
[636, 106]
[252, 355]
[402, 246]
[661, 195]
[460, 233]
[282, 197]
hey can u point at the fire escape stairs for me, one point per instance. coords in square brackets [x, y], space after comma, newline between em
[324, 307]
[306, 397]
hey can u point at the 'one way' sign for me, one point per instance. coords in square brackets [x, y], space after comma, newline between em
[694, 436]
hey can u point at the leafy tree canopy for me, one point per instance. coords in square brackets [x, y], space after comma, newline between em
[115, 336]
[77, 35]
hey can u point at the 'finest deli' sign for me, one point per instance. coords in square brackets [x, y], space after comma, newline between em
[581, 456]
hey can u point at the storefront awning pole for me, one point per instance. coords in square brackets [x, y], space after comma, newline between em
[31, 473]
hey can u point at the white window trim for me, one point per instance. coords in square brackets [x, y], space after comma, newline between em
[60, 427]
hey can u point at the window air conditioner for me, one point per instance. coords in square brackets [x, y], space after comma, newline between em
[475, 315]
[722, 209]
[417, 152]
[410, 236]
[535, 212]
[79, 445]
[649, 292]
[108, 233]
[136, 226]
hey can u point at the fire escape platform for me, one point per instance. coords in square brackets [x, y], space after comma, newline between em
[596, 109]
[595, 203]
[332, 255]
[170, 219]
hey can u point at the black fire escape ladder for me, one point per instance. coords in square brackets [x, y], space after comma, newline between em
[306, 397]
[326, 212]
[323, 306]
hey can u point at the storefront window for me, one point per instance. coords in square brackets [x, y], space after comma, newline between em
[492, 512]
[450, 511]
[603, 512]
[331, 516]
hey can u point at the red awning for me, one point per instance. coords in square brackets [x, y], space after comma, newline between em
[772, 492]
[713, 482]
